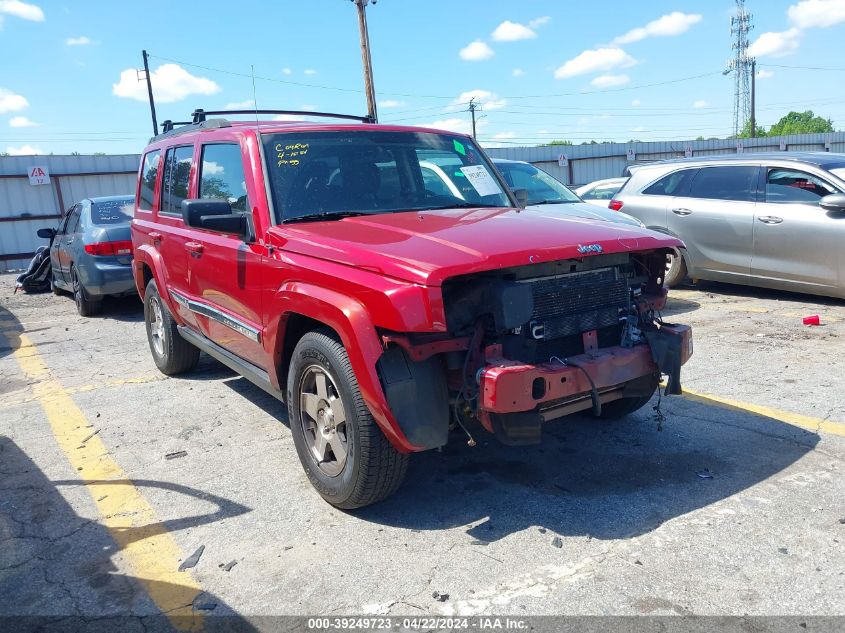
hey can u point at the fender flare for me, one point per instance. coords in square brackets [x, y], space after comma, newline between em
[357, 332]
[146, 254]
[683, 249]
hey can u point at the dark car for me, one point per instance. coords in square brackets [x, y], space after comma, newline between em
[91, 252]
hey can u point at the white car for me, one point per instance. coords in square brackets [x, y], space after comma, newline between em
[600, 192]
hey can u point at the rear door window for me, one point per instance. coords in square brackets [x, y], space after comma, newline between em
[177, 173]
[790, 186]
[222, 175]
[674, 184]
[738, 183]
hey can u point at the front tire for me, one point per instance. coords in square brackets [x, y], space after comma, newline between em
[676, 270]
[172, 354]
[85, 304]
[343, 451]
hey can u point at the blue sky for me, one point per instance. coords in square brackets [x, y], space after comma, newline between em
[542, 69]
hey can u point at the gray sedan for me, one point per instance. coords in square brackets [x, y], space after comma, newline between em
[774, 219]
[91, 251]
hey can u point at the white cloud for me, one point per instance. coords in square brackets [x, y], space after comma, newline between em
[509, 31]
[170, 82]
[504, 135]
[391, 103]
[288, 117]
[537, 22]
[461, 126]
[240, 105]
[476, 51]
[673, 23]
[816, 13]
[701, 103]
[640, 128]
[21, 121]
[287, 71]
[210, 168]
[79, 41]
[608, 81]
[23, 150]
[636, 103]
[22, 10]
[309, 107]
[11, 102]
[776, 44]
[309, 71]
[765, 74]
[517, 72]
[597, 60]
[488, 100]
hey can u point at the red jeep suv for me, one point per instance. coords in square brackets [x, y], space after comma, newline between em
[384, 283]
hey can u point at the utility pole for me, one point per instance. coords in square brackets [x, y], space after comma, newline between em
[472, 108]
[740, 65]
[753, 97]
[150, 92]
[365, 58]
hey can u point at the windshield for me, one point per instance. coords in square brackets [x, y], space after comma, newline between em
[541, 187]
[316, 174]
[112, 211]
[838, 171]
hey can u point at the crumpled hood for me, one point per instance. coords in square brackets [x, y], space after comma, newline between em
[428, 247]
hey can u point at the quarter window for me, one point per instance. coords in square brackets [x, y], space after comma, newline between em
[674, 184]
[222, 175]
[725, 183]
[788, 185]
[177, 171]
[149, 174]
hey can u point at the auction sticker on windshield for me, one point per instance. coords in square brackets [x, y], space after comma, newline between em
[481, 180]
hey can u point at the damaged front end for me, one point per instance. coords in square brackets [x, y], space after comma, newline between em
[531, 344]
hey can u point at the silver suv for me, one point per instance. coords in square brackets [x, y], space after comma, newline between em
[772, 219]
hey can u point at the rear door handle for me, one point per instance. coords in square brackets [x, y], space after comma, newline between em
[155, 236]
[193, 247]
[681, 211]
[770, 219]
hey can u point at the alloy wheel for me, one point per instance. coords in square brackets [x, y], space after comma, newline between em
[323, 419]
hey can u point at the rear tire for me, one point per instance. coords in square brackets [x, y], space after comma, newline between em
[676, 271]
[622, 407]
[343, 451]
[172, 354]
[85, 304]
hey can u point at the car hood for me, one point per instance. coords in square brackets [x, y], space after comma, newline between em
[585, 210]
[427, 247]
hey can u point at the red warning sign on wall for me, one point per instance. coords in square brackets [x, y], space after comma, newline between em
[38, 175]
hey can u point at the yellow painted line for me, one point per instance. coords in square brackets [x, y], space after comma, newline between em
[138, 380]
[817, 425]
[144, 544]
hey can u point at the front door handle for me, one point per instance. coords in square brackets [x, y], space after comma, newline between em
[193, 247]
[681, 211]
[770, 219]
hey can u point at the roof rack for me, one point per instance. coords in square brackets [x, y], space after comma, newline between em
[200, 114]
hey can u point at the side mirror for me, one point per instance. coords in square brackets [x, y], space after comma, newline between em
[834, 202]
[214, 215]
[521, 196]
[47, 234]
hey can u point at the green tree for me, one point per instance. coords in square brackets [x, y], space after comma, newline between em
[801, 123]
[559, 142]
[746, 131]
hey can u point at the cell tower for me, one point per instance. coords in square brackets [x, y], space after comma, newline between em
[741, 65]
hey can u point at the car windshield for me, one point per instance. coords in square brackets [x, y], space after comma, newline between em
[541, 187]
[112, 211]
[838, 171]
[340, 173]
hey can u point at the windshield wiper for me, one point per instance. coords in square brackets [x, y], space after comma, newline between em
[326, 215]
[462, 205]
[533, 204]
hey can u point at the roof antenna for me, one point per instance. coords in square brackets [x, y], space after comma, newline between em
[254, 98]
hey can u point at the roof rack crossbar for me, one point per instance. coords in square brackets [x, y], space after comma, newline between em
[199, 114]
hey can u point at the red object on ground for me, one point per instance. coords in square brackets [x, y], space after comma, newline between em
[813, 319]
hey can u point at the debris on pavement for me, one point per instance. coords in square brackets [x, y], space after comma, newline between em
[176, 455]
[89, 436]
[228, 566]
[193, 559]
[557, 542]
[705, 474]
[813, 319]
[440, 597]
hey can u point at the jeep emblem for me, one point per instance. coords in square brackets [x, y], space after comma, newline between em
[590, 248]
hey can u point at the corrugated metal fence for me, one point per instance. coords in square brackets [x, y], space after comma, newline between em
[586, 163]
[25, 207]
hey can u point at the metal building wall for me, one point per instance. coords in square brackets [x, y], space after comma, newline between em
[608, 160]
[25, 208]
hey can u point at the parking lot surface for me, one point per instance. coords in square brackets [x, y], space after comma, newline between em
[123, 491]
